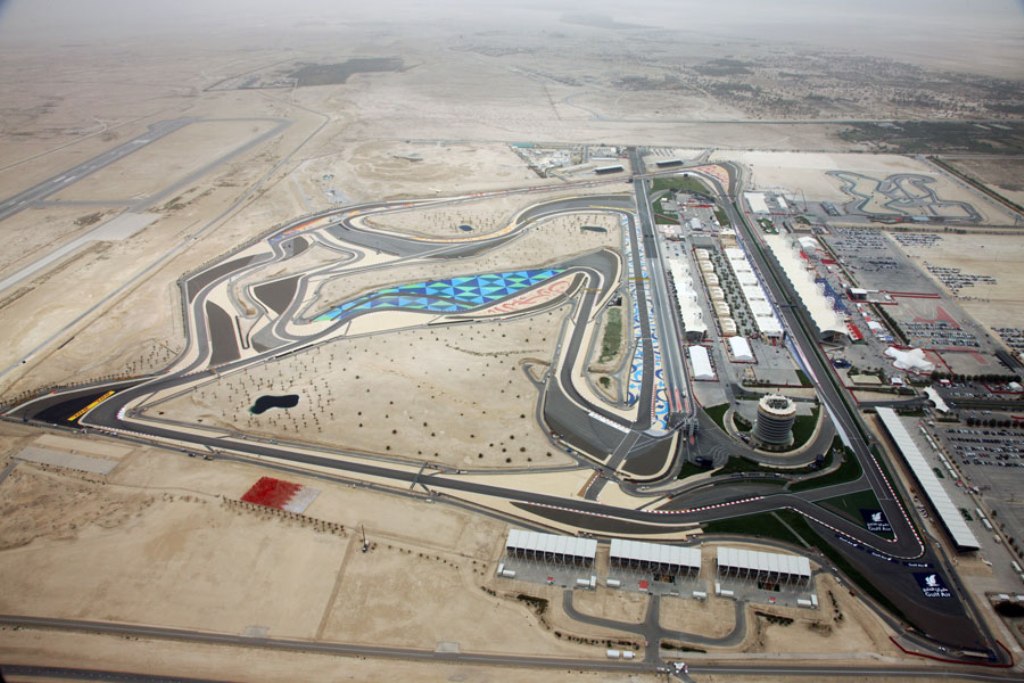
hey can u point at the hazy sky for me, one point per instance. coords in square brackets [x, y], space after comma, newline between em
[941, 32]
[21, 15]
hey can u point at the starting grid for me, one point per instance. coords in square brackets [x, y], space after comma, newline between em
[660, 404]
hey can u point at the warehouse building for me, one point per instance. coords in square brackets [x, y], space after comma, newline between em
[541, 547]
[659, 559]
[686, 299]
[767, 569]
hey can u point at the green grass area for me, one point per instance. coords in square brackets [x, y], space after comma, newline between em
[723, 220]
[612, 335]
[739, 465]
[663, 216]
[689, 469]
[681, 184]
[717, 413]
[880, 459]
[850, 505]
[764, 525]
[742, 423]
[803, 427]
[849, 470]
[805, 381]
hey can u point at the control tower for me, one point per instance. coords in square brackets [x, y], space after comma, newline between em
[775, 417]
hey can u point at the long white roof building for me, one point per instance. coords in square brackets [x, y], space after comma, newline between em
[654, 553]
[701, 362]
[821, 308]
[686, 298]
[948, 512]
[758, 561]
[564, 546]
[740, 349]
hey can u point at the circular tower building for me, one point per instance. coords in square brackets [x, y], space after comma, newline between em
[775, 417]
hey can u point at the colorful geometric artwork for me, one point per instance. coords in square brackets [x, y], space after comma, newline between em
[531, 299]
[445, 296]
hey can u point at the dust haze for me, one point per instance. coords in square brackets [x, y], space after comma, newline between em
[985, 36]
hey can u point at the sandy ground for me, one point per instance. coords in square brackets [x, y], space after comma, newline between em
[1000, 256]
[845, 625]
[713, 617]
[154, 538]
[42, 229]
[151, 541]
[610, 603]
[165, 161]
[150, 310]
[1003, 175]
[796, 172]
[385, 169]
[451, 395]
[400, 594]
[172, 659]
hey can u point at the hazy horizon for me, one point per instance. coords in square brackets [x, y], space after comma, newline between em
[985, 36]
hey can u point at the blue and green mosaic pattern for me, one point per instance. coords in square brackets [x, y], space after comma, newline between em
[457, 294]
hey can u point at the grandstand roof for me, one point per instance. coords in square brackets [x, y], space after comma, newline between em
[825, 317]
[943, 504]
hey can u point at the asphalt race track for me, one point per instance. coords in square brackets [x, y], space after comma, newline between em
[600, 437]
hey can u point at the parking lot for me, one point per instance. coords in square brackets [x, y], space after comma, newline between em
[875, 262]
[991, 460]
[590, 578]
[985, 446]
[782, 595]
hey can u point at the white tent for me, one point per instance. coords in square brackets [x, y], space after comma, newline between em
[912, 360]
[740, 350]
[701, 362]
